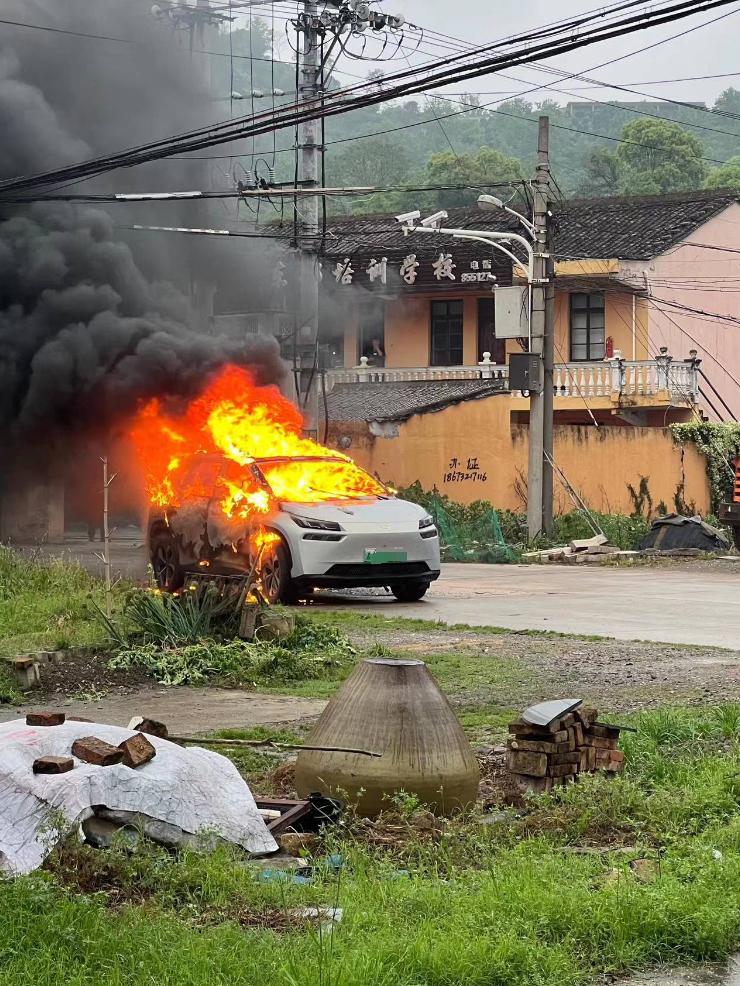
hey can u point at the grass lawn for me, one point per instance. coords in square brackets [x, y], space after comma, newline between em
[47, 604]
[539, 895]
[511, 902]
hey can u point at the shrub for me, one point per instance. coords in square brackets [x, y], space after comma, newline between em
[311, 651]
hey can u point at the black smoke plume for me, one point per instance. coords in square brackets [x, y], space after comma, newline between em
[91, 323]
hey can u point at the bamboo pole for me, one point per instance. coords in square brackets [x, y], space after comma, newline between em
[219, 741]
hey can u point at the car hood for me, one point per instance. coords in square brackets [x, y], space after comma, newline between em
[372, 511]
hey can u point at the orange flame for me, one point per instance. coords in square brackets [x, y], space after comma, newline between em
[234, 422]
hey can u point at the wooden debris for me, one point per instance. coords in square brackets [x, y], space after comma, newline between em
[541, 757]
[45, 718]
[53, 765]
[96, 751]
[137, 750]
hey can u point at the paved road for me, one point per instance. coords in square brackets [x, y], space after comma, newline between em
[694, 604]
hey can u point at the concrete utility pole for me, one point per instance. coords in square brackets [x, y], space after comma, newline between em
[542, 345]
[310, 148]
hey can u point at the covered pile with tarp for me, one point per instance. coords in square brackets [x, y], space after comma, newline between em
[476, 538]
[194, 791]
[675, 533]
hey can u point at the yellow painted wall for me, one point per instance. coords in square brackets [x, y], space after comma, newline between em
[599, 463]
[407, 328]
[618, 321]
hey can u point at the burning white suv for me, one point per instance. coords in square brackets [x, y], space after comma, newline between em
[335, 532]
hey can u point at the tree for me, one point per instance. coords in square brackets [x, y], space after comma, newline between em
[380, 161]
[478, 170]
[658, 157]
[602, 174]
[727, 176]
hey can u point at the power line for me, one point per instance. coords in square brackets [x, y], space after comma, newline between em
[440, 73]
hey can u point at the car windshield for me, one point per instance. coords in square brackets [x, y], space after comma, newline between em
[308, 480]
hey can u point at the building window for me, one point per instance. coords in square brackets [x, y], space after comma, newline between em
[587, 326]
[487, 341]
[447, 333]
[372, 333]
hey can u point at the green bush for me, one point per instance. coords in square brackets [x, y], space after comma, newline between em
[311, 651]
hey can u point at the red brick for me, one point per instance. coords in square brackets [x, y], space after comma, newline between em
[53, 765]
[587, 715]
[573, 758]
[600, 730]
[561, 770]
[137, 750]
[96, 751]
[523, 762]
[600, 742]
[45, 718]
[537, 746]
[537, 785]
[543, 732]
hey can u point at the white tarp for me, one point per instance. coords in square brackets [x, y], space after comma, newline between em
[192, 788]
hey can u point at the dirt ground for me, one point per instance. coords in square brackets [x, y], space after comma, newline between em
[616, 674]
[613, 674]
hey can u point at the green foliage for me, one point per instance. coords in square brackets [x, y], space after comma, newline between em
[719, 444]
[152, 616]
[659, 157]
[510, 902]
[726, 175]
[468, 532]
[624, 532]
[9, 692]
[46, 602]
[478, 170]
[311, 651]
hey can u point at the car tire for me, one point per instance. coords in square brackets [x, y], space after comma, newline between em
[164, 555]
[277, 585]
[409, 592]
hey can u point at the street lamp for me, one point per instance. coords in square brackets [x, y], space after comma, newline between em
[410, 223]
[488, 203]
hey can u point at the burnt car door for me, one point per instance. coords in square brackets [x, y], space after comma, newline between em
[190, 524]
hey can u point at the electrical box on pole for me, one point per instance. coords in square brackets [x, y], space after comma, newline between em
[512, 312]
[525, 372]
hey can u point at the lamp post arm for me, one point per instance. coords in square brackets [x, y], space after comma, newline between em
[485, 236]
[497, 246]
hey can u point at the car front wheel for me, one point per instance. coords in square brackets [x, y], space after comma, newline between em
[277, 585]
[165, 558]
[409, 592]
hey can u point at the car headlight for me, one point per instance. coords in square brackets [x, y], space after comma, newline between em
[426, 521]
[316, 525]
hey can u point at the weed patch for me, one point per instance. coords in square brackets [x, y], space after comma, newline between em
[309, 652]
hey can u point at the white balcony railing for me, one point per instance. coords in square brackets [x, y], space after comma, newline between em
[613, 378]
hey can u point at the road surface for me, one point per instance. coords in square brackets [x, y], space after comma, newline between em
[692, 604]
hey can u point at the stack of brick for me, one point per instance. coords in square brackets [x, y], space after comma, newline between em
[543, 757]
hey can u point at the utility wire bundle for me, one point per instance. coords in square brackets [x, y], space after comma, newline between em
[545, 42]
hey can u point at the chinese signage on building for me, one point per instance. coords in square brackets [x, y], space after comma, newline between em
[442, 269]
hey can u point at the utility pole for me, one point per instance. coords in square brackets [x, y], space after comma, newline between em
[310, 148]
[548, 363]
[542, 343]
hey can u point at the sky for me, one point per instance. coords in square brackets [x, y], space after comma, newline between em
[708, 46]
[709, 49]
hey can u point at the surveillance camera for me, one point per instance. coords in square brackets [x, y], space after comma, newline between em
[408, 217]
[435, 219]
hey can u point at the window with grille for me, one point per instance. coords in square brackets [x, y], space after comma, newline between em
[447, 333]
[587, 326]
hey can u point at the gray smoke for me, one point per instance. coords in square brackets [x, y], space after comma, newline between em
[90, 323]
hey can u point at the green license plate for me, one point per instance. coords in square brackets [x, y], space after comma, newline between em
[373, 557]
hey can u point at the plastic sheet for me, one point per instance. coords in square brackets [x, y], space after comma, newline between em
[194, 789]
